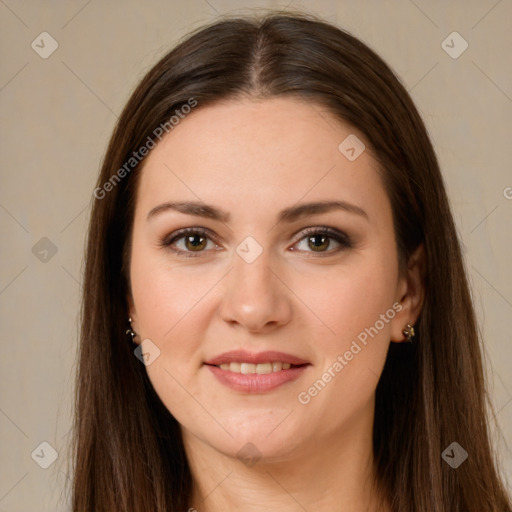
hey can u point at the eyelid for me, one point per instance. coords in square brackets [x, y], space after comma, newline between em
[179, 233]
[322, 230]
[167, 241]
[343, 240]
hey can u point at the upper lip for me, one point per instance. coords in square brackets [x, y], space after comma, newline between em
[242, 356]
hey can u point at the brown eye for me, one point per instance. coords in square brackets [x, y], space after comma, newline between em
[188, 242]
[318, 242]
[195, 242]
[321, 240]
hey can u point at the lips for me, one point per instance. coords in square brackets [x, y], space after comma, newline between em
[242, 356]
[260, 372]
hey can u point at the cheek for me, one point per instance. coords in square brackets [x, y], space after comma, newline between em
[351, 299]
[165, 295]
[166, 305]
[173, 311]
[172, 315]
[356, 303]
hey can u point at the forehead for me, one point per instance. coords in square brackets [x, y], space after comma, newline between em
[254, 154]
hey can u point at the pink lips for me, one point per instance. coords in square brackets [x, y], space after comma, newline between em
[242, 356]
[256, 383]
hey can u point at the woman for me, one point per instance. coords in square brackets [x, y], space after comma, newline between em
[276, 315]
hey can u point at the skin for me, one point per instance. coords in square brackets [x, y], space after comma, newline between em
[253, 158]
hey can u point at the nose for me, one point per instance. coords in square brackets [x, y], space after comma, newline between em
[255, 296]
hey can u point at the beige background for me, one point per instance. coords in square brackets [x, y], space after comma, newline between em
[57, 115]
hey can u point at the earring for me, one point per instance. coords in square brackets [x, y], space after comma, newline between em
[131, 332]
[409, 333]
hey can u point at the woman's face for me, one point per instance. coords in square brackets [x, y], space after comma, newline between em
[267, 333]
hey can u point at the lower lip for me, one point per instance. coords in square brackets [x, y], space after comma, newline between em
[254, 382]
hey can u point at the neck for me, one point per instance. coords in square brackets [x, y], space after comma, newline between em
[333, 472]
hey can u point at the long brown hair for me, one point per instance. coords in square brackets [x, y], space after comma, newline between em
[128, 452]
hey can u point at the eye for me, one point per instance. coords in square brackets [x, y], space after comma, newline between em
[188, 242]
[319, 239]
[192, 242]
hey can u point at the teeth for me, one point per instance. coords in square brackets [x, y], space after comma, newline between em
[247, 368]
[235, 367]
[263, 368]
[260, 368]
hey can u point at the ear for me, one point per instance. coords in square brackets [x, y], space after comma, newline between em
[132, 313]
[410, 294]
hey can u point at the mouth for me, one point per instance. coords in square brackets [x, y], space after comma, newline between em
[259, 369]
[256, 372]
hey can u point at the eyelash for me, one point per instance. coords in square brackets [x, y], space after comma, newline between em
[331, 233]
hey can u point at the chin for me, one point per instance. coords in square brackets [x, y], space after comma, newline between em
[259, 440]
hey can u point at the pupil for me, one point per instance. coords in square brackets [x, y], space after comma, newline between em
[323, 238]
[197, 243]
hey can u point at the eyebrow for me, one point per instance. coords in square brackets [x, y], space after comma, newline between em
[288, 215]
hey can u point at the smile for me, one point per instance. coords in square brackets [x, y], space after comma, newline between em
[260, 368]
[252, 382]
[255, 373]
